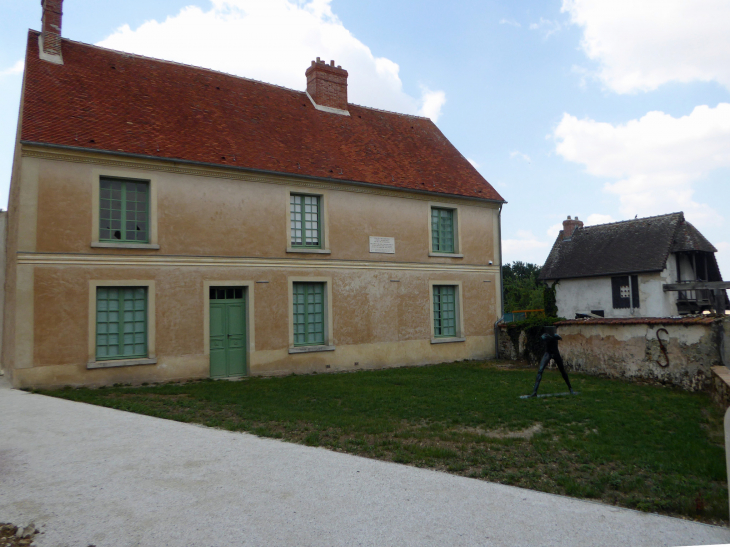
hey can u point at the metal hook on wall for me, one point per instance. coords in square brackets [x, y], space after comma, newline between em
[661, 346]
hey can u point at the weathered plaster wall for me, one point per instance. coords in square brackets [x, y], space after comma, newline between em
[514, 349]
[16, 203]
[377, 322]
[507, 347]
[217, 225]
[594, 293]
[218, 215]
[3, 244]
[633, 351]
[720, 389]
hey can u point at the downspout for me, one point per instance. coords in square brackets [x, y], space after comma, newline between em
[501, 285]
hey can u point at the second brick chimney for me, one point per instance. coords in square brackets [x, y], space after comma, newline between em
[327, 85]
[50, 39]
[570, 226]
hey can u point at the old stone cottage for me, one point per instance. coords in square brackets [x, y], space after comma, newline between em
[623, 269]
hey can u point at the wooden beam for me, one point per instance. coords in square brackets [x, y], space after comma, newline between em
[696, 285]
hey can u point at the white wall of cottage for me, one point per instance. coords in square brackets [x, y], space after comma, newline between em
[582, 295]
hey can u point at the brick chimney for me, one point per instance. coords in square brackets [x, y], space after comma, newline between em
[50, 39]
[327, 85]
[569, 226]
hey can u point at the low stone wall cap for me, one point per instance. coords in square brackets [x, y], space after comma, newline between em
[694, 320]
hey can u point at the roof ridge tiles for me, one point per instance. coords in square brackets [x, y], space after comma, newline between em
[197, 67]
[632, 220]
[177, 63]
[391, 112]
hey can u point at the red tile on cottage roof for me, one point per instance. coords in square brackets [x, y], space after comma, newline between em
[110, 101]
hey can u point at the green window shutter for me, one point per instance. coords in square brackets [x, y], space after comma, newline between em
[442, 230]
[121, 322]
[123, 211]
[444, 311]
[306, 221]
[308, 314]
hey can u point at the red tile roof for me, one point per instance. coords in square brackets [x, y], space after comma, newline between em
[106, 100]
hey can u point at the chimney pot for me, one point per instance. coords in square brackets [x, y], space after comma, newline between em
[327, 84]
[570, 226]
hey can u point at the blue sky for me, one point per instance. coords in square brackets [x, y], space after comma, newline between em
[600, 109]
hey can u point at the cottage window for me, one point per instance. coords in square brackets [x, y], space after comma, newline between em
[121, 322]
[124, 207]
[306, 221]
[444, 311]
[442, 230]
[309, 314]
[625, 295]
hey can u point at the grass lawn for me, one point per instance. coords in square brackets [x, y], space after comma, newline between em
[649, 448]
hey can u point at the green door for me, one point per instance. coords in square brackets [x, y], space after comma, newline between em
[227, 332]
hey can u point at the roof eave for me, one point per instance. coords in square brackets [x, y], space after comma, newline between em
[601, 274]
[258, 171]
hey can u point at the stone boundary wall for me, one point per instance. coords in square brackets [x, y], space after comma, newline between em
[629, 348]
[507, 349]
[720, 390]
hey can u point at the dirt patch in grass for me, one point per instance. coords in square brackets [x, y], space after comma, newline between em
[526, 433]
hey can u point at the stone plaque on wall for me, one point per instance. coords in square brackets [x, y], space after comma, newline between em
[382, 244]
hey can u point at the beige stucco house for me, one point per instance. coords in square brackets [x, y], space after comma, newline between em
[170, 222]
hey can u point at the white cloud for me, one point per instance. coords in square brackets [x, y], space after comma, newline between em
[653, 161]
[275, 41]
[642, 45]
[597, 218]
[547, 27]
[475, 164]
[510, 22]
[519, 155]
[17, 68]
[554, 230]
[431, 103]
[526, 247]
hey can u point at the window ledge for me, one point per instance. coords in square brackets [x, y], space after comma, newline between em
[310, 349]
[121, 363]
[446, 340]
[111, 245]
[312, 251]
[447, 255]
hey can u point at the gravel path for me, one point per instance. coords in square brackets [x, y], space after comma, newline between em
[87, 475]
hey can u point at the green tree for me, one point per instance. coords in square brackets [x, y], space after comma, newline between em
[551, 306]
[522, 291]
